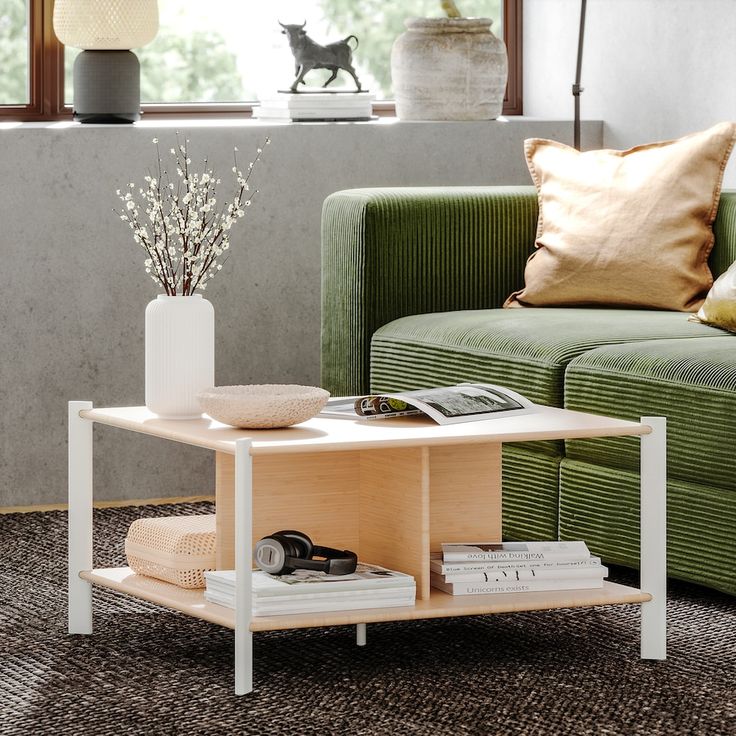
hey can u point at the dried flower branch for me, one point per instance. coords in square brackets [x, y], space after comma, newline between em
[451, 10]
[177, 222]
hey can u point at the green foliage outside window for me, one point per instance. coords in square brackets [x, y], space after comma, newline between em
[178, 68]
[199, 66]
[13, 52]
[189, 68]
[377, 24]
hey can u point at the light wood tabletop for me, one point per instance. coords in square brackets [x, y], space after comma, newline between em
[327, 434]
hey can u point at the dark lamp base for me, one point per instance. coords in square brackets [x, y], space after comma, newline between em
[107, 87]
[106, 118]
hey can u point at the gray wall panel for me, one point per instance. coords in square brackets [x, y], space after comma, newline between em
[74, 291]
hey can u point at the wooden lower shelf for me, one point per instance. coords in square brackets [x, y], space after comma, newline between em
[438, 605]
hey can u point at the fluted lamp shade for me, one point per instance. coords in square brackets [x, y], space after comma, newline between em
[106, 73]
[106, 24]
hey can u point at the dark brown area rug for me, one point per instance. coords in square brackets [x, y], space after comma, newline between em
[147, 671]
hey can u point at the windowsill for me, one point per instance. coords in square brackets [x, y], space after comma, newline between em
[211, 122]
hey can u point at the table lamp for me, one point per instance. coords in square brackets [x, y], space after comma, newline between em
[107, 85]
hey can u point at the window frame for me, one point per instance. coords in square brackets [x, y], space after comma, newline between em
[46, 70]
[46, 74]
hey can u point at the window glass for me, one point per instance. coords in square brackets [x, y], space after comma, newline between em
[233, 50]
[377, 23]
[14, 53]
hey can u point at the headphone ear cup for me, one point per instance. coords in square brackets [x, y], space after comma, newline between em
[272, 552]
[303, 544]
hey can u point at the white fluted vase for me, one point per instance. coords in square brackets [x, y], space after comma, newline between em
[180, 354]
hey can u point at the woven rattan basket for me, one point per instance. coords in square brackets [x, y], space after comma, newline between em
[177, 549]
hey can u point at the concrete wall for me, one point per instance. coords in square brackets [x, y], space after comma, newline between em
[652, 69]
[74, 291]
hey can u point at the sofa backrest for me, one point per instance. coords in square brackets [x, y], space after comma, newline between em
[724, 249]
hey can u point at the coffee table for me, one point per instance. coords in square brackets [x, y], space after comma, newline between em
[393, 490]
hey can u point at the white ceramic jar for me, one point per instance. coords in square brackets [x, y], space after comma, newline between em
[180, 354]
[449, 69]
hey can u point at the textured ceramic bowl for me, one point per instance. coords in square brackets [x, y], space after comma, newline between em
[264, 406]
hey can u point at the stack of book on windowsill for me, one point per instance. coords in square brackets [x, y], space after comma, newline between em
[306, 591]
[316, 106]
[515, 567]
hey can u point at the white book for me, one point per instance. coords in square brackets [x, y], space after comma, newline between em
[271, 113]
[319, 101]
[451, 568]
[522, 551]
[365, 595]
[316, 606]
[365, 577]
[316, 106]
[570, 573]
[277, 608]
[336, 114]
[520, 586]
[285, 599]
[344, 606]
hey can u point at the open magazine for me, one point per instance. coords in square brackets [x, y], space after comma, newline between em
[466, 402]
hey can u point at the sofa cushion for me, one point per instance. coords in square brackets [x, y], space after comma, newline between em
[691, 382]
[601, 506]
[625, 228]
[524, 349]
[530, 492]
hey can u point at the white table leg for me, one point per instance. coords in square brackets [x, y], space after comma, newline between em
[653, 555]
[360, 634]
[243, 567]
[80, 518]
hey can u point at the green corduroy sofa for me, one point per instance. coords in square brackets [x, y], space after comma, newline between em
[412, 285]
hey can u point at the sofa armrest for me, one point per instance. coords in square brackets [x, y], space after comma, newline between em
[389, 253]
[724, 228]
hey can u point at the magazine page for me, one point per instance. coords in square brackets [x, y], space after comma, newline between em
[345, 408]
[368, 575]
[466, 402]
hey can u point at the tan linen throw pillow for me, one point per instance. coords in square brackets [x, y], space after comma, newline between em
[625, 228]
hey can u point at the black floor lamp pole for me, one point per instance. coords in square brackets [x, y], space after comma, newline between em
[576, 88]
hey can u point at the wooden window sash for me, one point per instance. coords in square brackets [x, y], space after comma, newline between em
[513, 33]
[46, 69]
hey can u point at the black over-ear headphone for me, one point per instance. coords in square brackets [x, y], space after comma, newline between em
[289, 550]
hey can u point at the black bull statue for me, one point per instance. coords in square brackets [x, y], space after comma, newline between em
[309, 55]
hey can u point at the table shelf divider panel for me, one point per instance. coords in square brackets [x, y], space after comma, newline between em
[394, 511]
[316, 493]
[225, 511]
[464, 494]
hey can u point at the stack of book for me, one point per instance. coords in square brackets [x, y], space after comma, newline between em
[306, 591]
[304, 106]
[515, 567]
